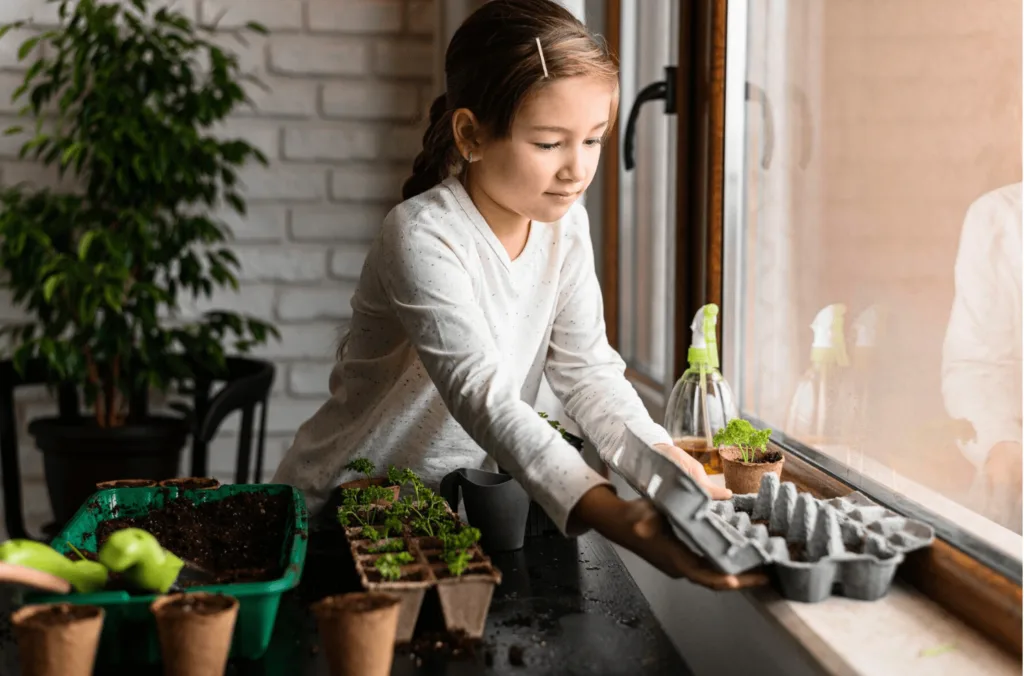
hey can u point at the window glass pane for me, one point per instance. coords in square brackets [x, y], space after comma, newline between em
[880, 204]
[646, 196]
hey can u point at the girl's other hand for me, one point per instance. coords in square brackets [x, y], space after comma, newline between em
[694, 469]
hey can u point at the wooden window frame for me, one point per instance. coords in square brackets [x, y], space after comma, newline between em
[980, 596]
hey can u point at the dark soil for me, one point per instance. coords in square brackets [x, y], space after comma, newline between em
[428, 543]
[437, 556]
[239, 538]
[516, 656]
[518, 621]
[366, 546]
[441, 572]
[362, 604]
[443, 646]
[64, 613]
[199, 604]
[766, 458]
[373, 575]
[126, 483]
[192, 483]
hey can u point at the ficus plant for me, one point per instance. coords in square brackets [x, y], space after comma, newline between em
[121, 101]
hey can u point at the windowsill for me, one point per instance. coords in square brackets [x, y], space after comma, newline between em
[903, 633]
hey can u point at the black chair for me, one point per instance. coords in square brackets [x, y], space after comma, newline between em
[10, 462]
[246, 383]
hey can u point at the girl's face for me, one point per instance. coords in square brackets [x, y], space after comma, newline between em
[551, 154]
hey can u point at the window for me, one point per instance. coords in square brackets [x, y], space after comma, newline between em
[872, 249]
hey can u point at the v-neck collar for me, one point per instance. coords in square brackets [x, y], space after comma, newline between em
[477, 219]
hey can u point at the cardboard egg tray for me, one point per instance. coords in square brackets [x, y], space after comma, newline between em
[816, 547]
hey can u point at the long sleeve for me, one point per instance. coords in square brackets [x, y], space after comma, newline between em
[425, 277]
[586, 374]
[981, 354]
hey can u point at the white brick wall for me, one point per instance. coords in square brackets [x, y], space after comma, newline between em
[340, 121]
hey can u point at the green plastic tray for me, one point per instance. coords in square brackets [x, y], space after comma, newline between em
[129, 630]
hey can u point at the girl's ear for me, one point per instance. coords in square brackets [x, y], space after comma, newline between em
[467, 133]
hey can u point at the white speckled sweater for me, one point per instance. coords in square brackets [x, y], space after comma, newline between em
[448, 342]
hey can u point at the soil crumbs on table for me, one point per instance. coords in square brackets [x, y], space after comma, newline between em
[239, 538]
[443, 646]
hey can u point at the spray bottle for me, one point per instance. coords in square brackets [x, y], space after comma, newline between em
[814, 415]
[701, 402]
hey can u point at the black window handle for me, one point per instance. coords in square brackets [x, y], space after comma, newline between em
[755, 93]
[656, 90]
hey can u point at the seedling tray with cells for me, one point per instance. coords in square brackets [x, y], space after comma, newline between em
[252, 537]
[417, 549]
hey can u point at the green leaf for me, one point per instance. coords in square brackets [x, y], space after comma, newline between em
[27, 46]
[7, 28]
[257, 27]
[50, 287]
[85, 243]
[12, 131]
[70, 153]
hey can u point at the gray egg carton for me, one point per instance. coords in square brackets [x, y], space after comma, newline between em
[848, 544]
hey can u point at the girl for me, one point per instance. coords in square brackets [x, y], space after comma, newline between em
[482, 281]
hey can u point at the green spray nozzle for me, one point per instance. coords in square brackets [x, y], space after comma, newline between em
[829, 346]
[138, 556]
[704, 345]
[85, 576]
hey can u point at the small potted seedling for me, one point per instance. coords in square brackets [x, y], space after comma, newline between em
[390, 565]
[383, 489]
[745, 456]
[463, 587]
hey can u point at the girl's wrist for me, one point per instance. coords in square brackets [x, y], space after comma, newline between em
[602, 510]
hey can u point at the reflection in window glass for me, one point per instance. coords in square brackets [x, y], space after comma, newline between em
[880, 275]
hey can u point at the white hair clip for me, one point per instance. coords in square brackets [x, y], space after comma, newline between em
[543, 63]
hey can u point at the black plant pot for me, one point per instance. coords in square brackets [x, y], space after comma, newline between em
[495, 504]
[78, 454]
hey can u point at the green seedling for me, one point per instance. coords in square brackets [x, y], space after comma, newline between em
[390, 565]
[744, 436]
[401, 477]
[392, 546]
[456, 549]
[361, 465]
[457, 561]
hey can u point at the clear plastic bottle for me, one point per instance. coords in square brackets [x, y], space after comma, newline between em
[701, 402]
[815, 415]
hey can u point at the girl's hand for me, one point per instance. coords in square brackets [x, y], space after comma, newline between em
[694, 469]
[639, 527]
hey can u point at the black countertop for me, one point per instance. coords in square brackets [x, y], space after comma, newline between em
[565, 607]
